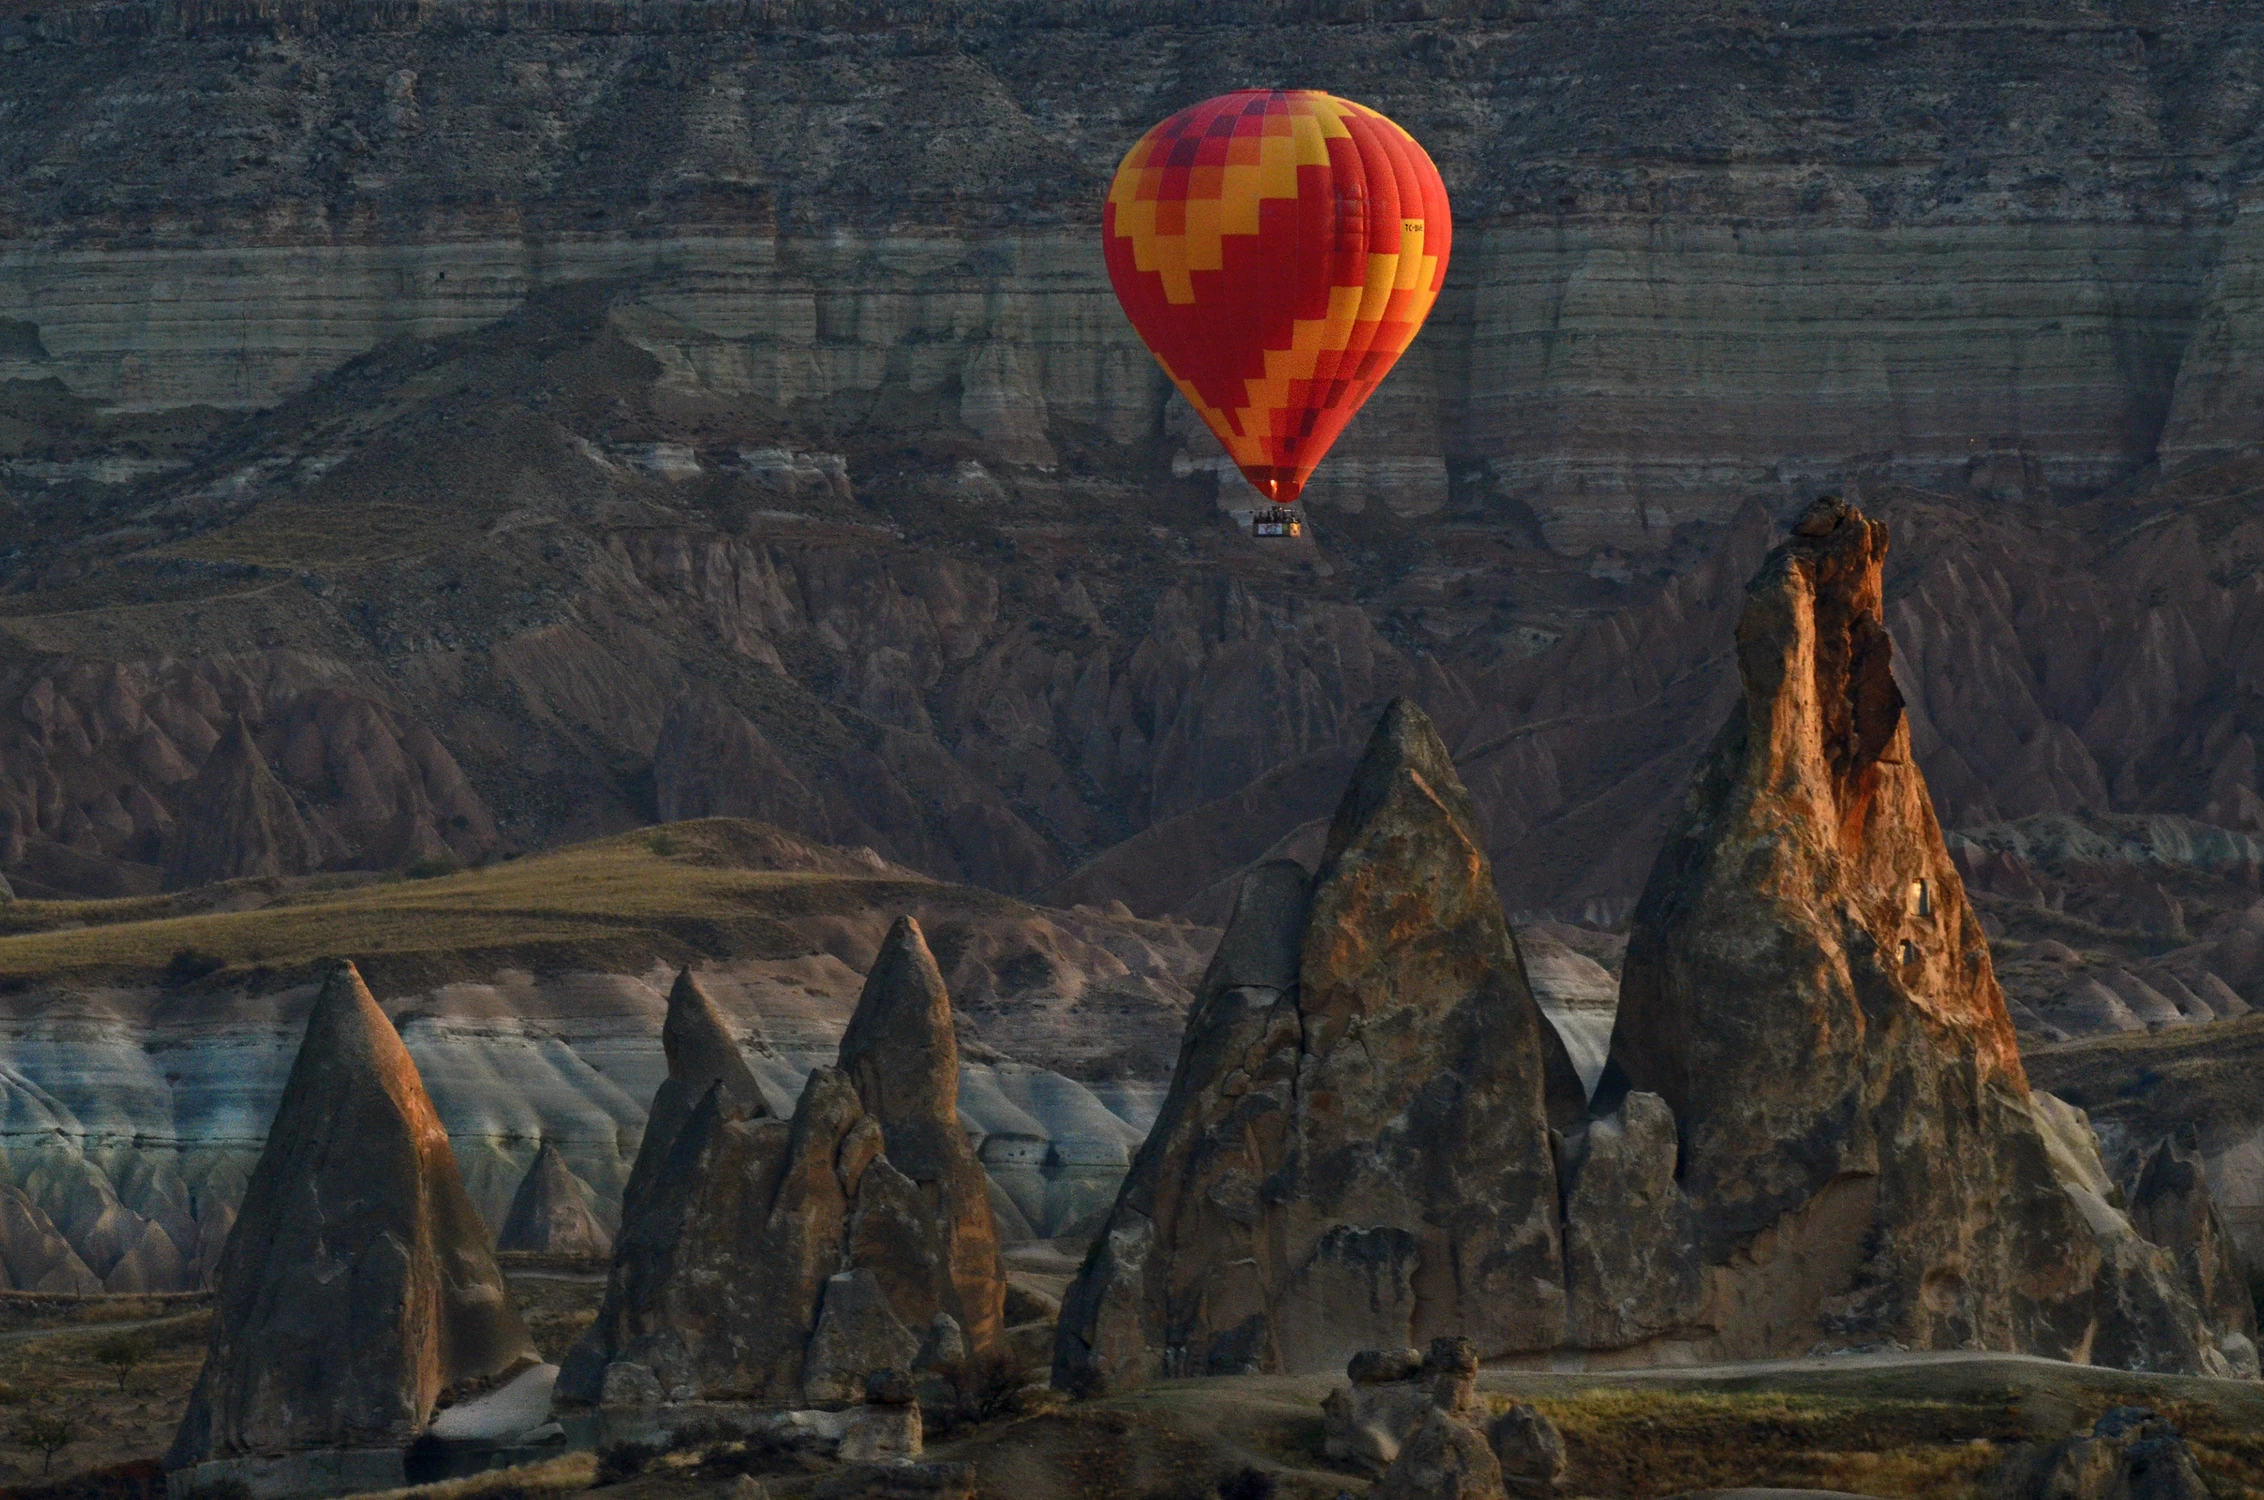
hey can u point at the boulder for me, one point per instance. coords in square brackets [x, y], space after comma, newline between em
[357, 1290]
[903, 1053]
[2172, 1207]
[1367, 1423]
[1354, 1151]
[1445, 1459]
[1530, 1451]
[2131, 1454]
[886, 1429]
[550, 1213]
[1809, 993]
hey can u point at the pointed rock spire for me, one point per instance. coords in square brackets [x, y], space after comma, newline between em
[357, 1288]
[775, 1261]
[1810, 994]
[718, 1276]
[1355, 1151]
[902, 1052]
[2173, 1208]
[550, 1213]
[237, 820]
[1406, 897]
[702, 1053]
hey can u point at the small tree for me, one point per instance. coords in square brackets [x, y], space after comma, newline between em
[48, 1431]
[122, 1354]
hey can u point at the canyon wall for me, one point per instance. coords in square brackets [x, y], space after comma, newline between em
[1728, 262]
[1617, 378]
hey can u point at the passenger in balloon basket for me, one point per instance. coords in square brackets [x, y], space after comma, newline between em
[1277, 521]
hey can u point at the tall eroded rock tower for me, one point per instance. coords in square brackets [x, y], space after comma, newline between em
[903, 1055]
[1853, 1152]
[1355, 1151]
[357, 1288]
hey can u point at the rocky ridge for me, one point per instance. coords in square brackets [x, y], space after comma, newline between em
[137, 1097]
[633, 442]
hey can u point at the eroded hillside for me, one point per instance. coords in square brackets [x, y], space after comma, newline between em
[536, 424]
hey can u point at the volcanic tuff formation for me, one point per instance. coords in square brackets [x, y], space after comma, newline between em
[902, 1052]
[1810, 995]
[1355, 1149]
[1813, 1130]
[702, 1054]
[550, 1213]
[357, 1290]
[782, 1262]
[2171, 1206]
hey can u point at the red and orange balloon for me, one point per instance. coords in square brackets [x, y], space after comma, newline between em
[1277, 250]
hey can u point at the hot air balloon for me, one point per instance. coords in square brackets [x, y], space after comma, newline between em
[1277, 249]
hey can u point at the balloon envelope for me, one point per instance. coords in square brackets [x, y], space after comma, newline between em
[1277, 249]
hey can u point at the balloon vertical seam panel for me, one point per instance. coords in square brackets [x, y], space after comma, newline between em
[1277, 251]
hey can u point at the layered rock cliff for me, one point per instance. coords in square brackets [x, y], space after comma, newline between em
[750, 430]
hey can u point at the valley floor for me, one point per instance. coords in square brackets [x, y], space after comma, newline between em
[1920, 1426]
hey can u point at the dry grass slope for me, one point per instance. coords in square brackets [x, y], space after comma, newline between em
[710, 888]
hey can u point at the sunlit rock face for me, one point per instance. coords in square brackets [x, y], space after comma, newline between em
[1812, 1026]
[1356, 1150]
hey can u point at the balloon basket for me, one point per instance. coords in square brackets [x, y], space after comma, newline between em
[1279, 521]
